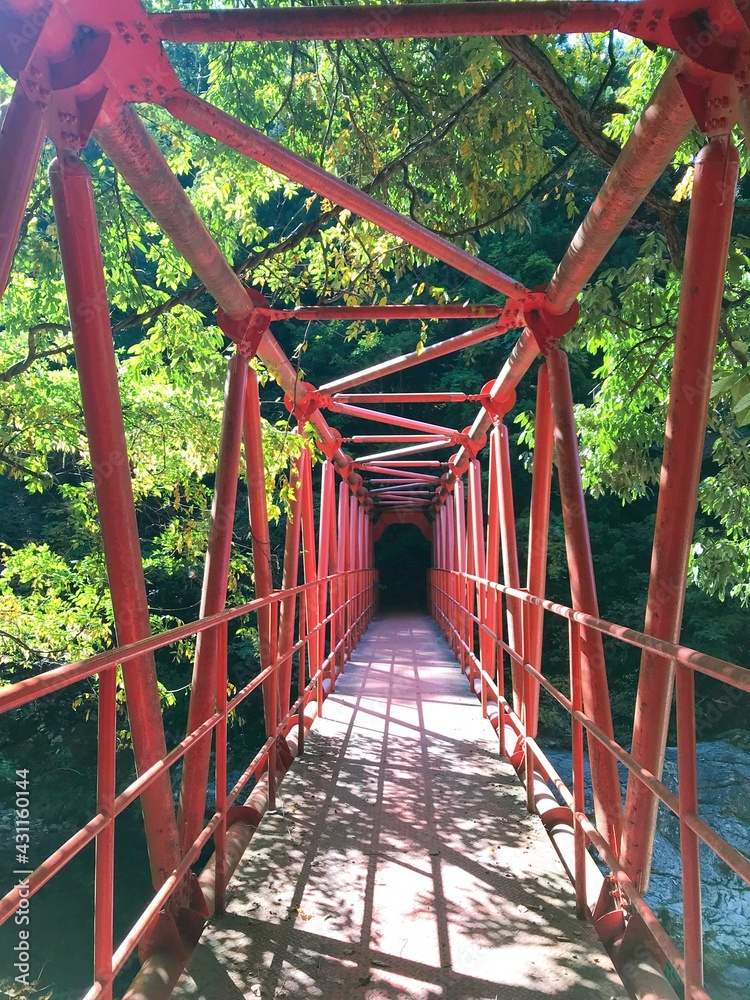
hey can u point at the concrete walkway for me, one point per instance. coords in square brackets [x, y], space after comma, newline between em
[402, 862]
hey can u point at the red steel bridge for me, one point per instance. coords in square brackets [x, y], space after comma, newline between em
[82, 69]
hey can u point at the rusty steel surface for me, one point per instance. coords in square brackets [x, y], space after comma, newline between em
[401, 861]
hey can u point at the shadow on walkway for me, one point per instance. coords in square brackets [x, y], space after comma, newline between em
[402, 862]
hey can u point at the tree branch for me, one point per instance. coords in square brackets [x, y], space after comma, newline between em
[580, 123]
[33, 354]
[302, 232]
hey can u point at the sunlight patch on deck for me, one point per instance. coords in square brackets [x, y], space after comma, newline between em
[402, 863]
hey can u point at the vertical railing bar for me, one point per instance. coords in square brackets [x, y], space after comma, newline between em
[220, 774]
[273, 706]
[301, 681]
[500, 672]
[104, 863]
[687, 772]
[526, 709]
[579, 792]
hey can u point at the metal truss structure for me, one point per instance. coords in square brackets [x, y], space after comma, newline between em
[81, 67]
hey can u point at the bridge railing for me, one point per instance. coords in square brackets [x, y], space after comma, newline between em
[181, 903]
[469, 611]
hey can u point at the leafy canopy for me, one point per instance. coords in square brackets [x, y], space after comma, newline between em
[467, 137]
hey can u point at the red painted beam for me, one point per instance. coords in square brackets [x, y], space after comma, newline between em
[604, 778]
[697, 329]
[405, 397]
[252, 430]
[406, 495]
[246, 140]
[75, 215]
[508, 321]
[663, 125]
[414, 449]
[397, 473]
[407, 464]
[536, 573]
[379, 417]
[289, 580]
[402, 505]
[133, 151]
[397, 486]
[213, 600]
[385, 313]
[395, 438]
[431, 20]
[398, 483]
[21, 136]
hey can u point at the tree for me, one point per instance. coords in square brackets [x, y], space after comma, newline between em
[479, 139]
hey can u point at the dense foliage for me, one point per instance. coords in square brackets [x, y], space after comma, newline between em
[470, 138]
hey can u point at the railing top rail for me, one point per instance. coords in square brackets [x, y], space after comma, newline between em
[712, 666]
[57, 678]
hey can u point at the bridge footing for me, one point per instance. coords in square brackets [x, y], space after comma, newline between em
[401, 861]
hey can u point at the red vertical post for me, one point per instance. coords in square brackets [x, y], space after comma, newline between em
[536, 578]
[289, 577]
[579, 790]
[709, 227]
[309, 561]
[511, 575]
[353, 565]
[333, 563]
[438, 564]
[362, 568]
[21, 138]
[220, 836]
[604, 777]
[305, 602]
[80, 250]
[213, 601]
[459, 511]
[343, 566]
[327, 497]
[479, 567]
[260, 537]
[451, 585]
[373, 574]
[449, 525]
[272, 719]
[441, 577]
[469, 587]
[104, 870]
[687, 770]
[492, 556]
[528, 758]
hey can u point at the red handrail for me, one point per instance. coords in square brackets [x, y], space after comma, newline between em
[358, 604]
[447, 588]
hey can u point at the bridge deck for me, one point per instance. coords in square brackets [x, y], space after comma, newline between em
[402, 862]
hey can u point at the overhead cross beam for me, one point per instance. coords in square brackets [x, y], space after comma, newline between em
[430, 20]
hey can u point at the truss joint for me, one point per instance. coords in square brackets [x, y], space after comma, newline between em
[247, 332]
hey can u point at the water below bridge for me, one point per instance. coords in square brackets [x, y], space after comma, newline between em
[401, 862]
